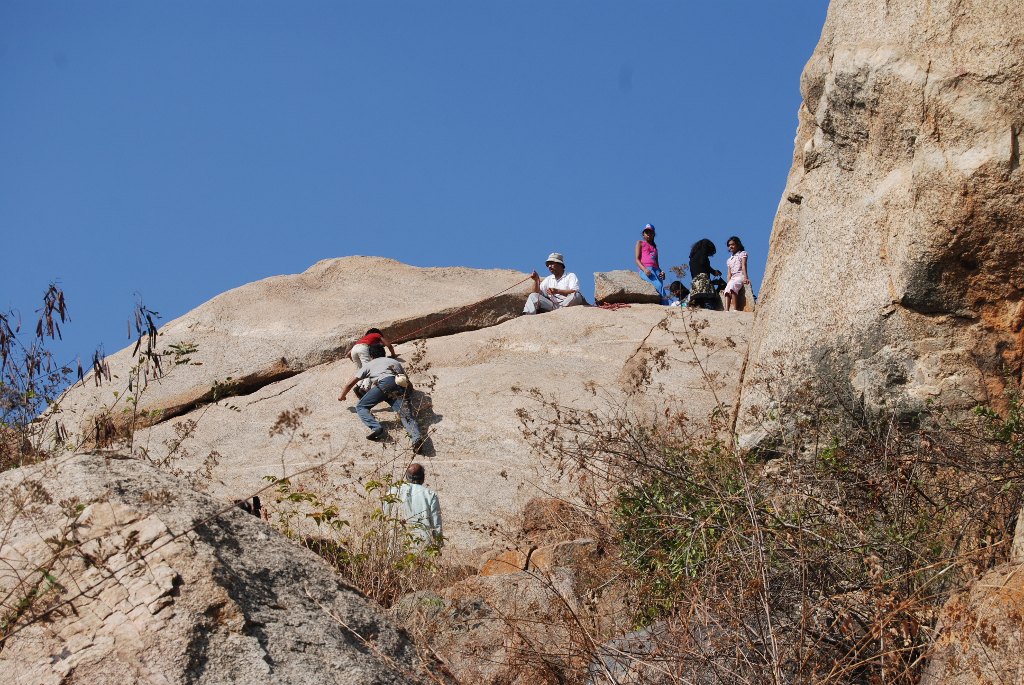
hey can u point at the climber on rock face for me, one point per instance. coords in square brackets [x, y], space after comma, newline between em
[383, 374]
[560, 289]
[360, 353]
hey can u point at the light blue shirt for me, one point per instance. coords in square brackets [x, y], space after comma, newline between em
[421, 511]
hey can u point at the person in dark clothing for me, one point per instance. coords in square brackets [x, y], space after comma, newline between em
[702, 292]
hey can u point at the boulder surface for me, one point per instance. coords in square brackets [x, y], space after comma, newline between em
[151, 582]
[275, 328]
[471, 389]
[623, 286]
[980, 632]
[895, 264]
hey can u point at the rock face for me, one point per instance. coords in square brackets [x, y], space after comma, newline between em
[749, 301]
[981, 631]
[502, 629]
[276, 328]
[477, 458]
[471, 386]
[521, 621]
[161, 588]
[895, 256]
[613, 287]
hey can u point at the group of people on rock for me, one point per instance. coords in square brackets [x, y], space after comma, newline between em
[380, 378]
[562, 288]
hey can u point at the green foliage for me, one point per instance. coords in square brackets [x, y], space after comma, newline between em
[378, 552]
[1006, 428]
[833, 557]
[668, 526]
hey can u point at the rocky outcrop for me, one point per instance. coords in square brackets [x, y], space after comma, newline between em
[614, 287]
[895, 263]
[981, 632]
[147, 581]
[535, 609]
[749, 300]
[271, 330]
[514, 629]
[471, 388]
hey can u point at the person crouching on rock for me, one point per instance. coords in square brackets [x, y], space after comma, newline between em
[702, 292]
[383, 374]
[677, 294]
[360, 353]
[560, 289]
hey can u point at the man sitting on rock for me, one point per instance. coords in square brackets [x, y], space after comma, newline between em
[383, 374]
[560, 289]
[419, 508]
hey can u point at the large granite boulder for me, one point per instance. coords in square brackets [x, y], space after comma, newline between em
[278, 327]
[895, 264]
[622, 286]
[119, 573]
[471, 387]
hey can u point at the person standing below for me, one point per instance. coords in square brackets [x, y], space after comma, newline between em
[360, 353]
[560, 289]
[736, 274]
[646, 256]
[419, 508]
[382, 373]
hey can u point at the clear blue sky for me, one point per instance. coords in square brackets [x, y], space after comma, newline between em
[174, 150]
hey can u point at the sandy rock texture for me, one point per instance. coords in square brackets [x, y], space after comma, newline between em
[613, 287]
[278, 327]
[470, 388]
[981, 632]
[895, 258]
[158, 585]
[749, 300]
[501, 630]
[533, 612]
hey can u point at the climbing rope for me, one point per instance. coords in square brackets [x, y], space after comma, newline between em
[468, 307]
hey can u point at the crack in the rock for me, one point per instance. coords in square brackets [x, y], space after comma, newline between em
[276, 394]
[256, 381]
[644, 341]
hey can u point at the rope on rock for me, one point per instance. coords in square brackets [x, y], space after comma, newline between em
[458, 311]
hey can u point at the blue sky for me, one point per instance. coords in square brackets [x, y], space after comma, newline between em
[170, 151]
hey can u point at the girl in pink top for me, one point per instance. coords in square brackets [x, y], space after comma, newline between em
[736, 274]
[646, 256]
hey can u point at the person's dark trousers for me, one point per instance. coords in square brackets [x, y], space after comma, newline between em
[387, 390]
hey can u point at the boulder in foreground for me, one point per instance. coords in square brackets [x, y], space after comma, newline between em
[154, 585]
